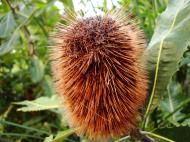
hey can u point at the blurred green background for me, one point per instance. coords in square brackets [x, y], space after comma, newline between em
[25, 26]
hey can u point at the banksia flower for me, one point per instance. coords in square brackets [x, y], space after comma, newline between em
[98, 74]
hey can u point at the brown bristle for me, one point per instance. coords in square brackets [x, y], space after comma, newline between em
[98, 75]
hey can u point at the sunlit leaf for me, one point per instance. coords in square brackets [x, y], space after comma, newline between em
[42, 103]
[49, 139]
[63, 134]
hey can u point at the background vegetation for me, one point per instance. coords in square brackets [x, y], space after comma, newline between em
[25, 73]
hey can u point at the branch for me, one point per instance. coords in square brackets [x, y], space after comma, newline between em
[136, 134]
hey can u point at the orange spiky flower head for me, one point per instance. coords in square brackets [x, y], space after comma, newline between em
[98, 74]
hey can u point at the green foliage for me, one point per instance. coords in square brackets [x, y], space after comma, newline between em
[49, 139]
[68, 4]
[41, 103]
[166, 48]
[26, 86]
[63, 135]
[9, 44]
[7, 25]
[146, 11]
[36, 69]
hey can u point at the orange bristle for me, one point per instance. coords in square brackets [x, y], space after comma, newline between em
[98, 74]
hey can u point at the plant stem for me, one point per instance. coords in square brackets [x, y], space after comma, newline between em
[141, 135]
[137, 135]
[157, 136]
[121, 139]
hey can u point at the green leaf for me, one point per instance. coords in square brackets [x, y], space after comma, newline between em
[172, 102]
[169, 42]
[49, 139]
[36, 69]
[42, 103]
[184, 61]
[48, 86]
[63, 134]
[12, 41]
[7, 25]
[186, 122]
[177, 112]
[174, 98]
[9, 44]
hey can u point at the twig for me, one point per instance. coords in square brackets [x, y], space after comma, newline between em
[142, 136]
[137, 135]
[122, 139]
[11, 7]
[157, 136]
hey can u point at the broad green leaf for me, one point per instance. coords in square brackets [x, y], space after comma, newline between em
[9, 44]
[63, 134]
[169, 42]
[7, 25]
[42, 103]
[36, 69]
